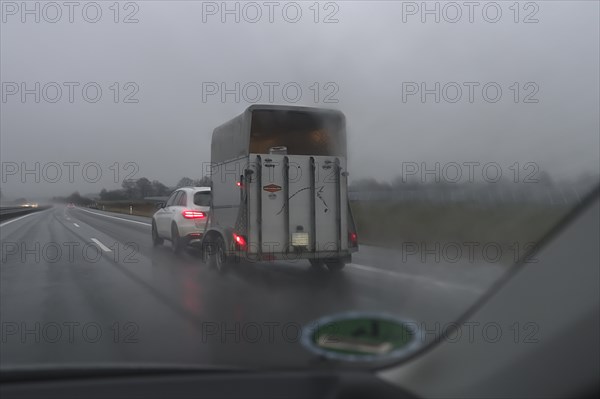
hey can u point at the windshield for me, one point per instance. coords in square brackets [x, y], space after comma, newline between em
[424, 148]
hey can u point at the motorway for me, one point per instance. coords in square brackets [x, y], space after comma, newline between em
[80, 286]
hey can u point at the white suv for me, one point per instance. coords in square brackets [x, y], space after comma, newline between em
[182, 218]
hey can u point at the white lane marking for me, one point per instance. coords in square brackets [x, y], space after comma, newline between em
[75, 224]
[114, 217]
[421, 279]
[102, 246]
[19, 218]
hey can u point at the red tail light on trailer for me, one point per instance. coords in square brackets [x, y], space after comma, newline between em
[353, 239]
[240, 240]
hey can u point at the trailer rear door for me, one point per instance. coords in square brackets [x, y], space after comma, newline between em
[297, 203]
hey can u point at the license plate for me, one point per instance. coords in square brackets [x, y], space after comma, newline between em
[300, 239]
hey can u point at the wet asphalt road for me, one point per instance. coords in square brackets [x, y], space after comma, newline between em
[86, 286]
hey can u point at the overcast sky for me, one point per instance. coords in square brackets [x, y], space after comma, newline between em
[373, 56]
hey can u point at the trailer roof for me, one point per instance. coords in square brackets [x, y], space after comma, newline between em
[275, 107]
[231, 139]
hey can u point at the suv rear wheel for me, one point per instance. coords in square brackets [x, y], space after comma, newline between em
[156, 240]
[177, 243]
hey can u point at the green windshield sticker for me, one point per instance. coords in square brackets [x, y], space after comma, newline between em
[362, 336]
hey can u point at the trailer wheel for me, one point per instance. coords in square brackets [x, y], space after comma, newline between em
[205, 252]
[217, 257]
[335, 265]
[316, 264]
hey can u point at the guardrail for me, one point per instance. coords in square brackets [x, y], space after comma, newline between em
[9, 212]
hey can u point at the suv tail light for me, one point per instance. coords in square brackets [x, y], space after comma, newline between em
[193, 214]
